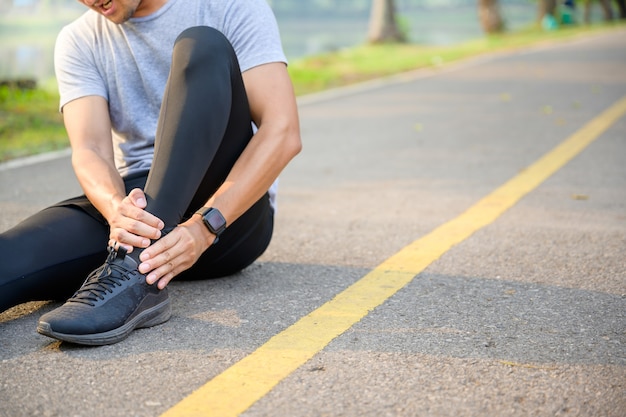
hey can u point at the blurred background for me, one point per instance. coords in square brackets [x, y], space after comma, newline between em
[28, 28]
[329, 43]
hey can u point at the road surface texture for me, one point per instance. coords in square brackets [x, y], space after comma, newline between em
[433, 256]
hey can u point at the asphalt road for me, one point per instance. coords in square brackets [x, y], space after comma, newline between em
[527, 316]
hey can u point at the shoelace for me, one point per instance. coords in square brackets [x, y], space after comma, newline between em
[102, 280]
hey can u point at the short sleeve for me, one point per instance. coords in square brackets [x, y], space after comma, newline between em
[253, 31]
[76, 72]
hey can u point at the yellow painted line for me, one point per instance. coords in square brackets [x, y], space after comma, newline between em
[240, 386]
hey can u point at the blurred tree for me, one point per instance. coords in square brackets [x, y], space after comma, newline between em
[490, 16]
[383, 23]
[546, 8]
[621, 5]
[607, 10]
[550, 8]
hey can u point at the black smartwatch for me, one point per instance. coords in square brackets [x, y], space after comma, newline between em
[213, 220]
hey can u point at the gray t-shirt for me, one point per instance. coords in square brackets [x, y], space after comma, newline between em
[128, 64]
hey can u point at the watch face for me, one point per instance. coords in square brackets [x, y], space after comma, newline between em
[215, 219]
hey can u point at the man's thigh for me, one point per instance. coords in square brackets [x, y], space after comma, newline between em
[48, 255]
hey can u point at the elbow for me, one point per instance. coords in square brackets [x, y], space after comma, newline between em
[291, 144]
[281, 137]
[294, 143]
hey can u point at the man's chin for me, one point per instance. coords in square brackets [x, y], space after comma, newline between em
[114, 14]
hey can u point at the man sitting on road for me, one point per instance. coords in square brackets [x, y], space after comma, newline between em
[181, 115]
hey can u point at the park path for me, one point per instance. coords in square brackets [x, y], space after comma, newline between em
[436, 253]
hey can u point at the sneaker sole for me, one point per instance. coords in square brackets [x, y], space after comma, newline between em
[148, 318]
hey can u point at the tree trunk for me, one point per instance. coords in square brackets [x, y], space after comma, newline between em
[546, 7]
[490, 16]
[383, 25]
[607, 10]
[621, 6]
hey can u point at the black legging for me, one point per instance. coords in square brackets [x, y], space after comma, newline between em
[204, 125]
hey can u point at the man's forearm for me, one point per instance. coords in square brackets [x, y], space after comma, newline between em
[274, 111]
[267, 154]
[99, 180]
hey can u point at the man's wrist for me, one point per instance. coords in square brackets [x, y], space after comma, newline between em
[213, 220]
[205, 234]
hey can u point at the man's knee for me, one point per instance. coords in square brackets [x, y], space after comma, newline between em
[200, 42]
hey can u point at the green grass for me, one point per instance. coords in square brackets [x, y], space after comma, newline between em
[366, 62]
[30, 122]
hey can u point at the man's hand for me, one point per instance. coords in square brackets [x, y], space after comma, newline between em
[274, 110]
[175, 252]
[88, 125]
[132, 226]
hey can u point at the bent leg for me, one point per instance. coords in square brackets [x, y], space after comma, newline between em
[204, 125]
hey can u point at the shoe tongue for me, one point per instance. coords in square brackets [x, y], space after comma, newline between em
[122, 259]
[120, 253]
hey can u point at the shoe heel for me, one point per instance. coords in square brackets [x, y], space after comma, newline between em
[162, 315]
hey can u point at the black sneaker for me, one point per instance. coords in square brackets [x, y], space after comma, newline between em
[114, 300]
